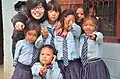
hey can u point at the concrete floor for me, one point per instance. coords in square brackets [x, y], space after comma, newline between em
[1, 72]
[8, 67]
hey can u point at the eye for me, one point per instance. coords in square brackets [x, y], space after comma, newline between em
[50, 10]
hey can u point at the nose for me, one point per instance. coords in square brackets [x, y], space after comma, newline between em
[31, 37]
[37, 8]
[88, 26]
[53, 13]
[79, 15]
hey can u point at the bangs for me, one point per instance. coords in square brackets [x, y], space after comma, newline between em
[53, 6]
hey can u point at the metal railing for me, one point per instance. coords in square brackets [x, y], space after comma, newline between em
[107, 11]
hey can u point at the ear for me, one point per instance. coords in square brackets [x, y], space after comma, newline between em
[54, 58]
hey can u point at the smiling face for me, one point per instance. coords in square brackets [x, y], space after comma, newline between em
[89, 26]
[38, 11]
[53, 15]
[68, 21]
[46, 55]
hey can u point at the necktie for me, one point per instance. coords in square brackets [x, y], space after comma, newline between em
[34, 57]
[65, 52]
[52, 35]
[84, 51]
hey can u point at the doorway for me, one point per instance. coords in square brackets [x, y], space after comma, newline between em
[1, 34]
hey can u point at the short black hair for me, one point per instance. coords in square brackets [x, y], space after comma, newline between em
[32, 25]
[51, 47]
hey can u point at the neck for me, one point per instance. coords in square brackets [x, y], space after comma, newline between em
[51, 22]
[65, 32]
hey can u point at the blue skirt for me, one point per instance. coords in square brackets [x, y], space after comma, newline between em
[96, 69]
[72, 71]
[22, 72]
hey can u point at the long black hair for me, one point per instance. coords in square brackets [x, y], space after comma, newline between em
[64, 14]
[55, 6]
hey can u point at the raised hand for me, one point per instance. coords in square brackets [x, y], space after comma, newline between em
[44, 32]
[43, 70]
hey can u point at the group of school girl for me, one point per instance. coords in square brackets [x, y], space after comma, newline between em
[42, 35]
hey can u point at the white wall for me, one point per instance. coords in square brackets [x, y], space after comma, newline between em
[7, 12]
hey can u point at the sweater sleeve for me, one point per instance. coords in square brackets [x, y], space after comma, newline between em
[56, 72]
[17, 52]
[36, 69]
[99, 38]
[76, 30]
[19, 17]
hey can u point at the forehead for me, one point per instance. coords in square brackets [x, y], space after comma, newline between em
[47, 50]
[89, 21]
[80, 10]
[70, 17]
[32, 31]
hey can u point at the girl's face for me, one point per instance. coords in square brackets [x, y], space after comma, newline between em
[89, 26]
[68, 21]
[92, 12]
[80, 13]
[46, 55]
[53, 15]
[31, 36]
[38, 11]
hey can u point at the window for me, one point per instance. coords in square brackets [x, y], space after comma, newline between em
[108, 11]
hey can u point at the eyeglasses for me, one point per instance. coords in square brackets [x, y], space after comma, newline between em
[38, 7]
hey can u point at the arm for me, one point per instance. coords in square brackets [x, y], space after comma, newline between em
[76, 30]
[99, 37]
[56, 72]
[19, 20]
[36, 69]
[96, 36]
[39, 42]
[17, 53]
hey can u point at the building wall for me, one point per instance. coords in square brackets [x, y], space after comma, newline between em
[7, 12]
[111, 51]
[111, 55]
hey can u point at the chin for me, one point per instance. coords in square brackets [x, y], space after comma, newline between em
[37, 18]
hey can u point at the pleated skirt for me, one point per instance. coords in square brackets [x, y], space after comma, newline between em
[95, 69]
[22, 72]
[72, 71]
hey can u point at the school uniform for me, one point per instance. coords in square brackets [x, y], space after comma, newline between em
[53, 72]
[46, 24]
[74, 68]
[95, 67]
[23, 60]
[23, 16]
[40, 41]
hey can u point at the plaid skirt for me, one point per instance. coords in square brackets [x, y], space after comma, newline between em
[96, 69]
[72, 71]
[22, 72]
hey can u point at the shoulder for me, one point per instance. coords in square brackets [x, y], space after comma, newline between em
[37, 63]
[45, 22]
[98, 33]
[55, 65]
[21, 41]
